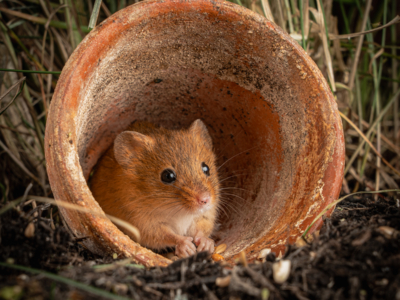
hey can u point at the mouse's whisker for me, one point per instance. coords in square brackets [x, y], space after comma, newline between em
[234, 196]
[237, 134]
[235, 203]
[231, 177]
[237, 156]
[232, 201]
[236, 188]
[166, 206]
[229, 207]
[221, 208]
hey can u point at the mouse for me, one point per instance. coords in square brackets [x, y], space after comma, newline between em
[164, 182]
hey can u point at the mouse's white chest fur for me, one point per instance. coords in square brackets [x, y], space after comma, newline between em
[182, 223]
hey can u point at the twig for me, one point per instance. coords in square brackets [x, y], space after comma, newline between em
[369, 143]
[16, 95]
[79, 208]
[20, 164]
[362, 33]
[371, 129]
[42, 21]
[267, 10]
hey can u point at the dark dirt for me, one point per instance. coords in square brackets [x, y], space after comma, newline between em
[353, 257]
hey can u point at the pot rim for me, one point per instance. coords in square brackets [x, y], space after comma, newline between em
[66, 176]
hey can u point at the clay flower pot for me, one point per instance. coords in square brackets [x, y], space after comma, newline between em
[269, 110]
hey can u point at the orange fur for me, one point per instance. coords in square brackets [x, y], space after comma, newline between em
[127, 184]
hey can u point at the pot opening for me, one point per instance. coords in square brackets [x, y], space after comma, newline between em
[245, 132]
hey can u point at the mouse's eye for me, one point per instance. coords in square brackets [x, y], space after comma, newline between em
[205, 168]
[168, 176]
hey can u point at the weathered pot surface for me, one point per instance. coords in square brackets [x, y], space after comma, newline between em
[272, 117]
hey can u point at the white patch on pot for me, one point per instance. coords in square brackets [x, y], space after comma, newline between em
[280, 242]
[263, 253]
[310, 210]
[318, 190]
[72, 163]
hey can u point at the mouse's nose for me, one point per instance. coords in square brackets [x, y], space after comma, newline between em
[204, 198]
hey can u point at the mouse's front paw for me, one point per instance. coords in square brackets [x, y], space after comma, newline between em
[204, 244]
[185, 247]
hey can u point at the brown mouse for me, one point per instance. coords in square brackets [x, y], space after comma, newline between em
[164, 182]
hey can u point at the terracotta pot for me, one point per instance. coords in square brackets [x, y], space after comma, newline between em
[269, 110]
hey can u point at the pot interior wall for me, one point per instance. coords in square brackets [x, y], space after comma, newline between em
[251, 94]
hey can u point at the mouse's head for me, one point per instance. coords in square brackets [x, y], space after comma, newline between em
[174, 170]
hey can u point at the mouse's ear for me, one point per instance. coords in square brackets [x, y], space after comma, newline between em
[128, 145]
[199, 128]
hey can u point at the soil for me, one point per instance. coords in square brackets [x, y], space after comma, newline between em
[355, 256]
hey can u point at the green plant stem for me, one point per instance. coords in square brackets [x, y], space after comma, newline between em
[15, 37]
[293, 10]
[360, 117]
[326, 25]
[303, 40]
[370, 50]
[3, 193]
[378, 103]
[31, 71]
[289, 14]
[345, 19]
[95, 14]
[396, 118]
[365, 158]
[67, 281]
[383, 78]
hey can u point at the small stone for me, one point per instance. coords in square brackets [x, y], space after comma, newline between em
[300, 242]
[30, 230]
[10, 261]
[281, 270]
[223, 281]
[220, 248]
[388, 232]
[120, 288]
[217, 257]
[382, 282]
